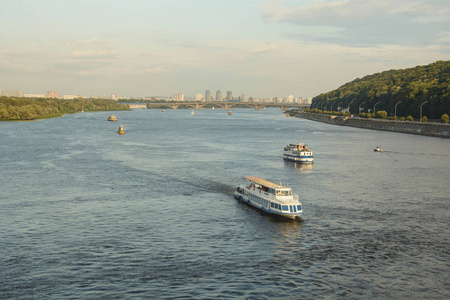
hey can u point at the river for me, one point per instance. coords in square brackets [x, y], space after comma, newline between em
[87, 213]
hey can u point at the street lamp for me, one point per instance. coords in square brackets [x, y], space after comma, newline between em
[421, 111]
[395, 110]
[339, 104]
[359, 109]
[374, 106]
[348, 107]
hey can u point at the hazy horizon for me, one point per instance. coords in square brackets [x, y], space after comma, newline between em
[259, 48]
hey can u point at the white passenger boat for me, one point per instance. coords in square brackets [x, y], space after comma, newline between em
[269, 197]
[378, 149]
[299, 153]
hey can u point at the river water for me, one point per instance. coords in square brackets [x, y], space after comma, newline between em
[87, 213]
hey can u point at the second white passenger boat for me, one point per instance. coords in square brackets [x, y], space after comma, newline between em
[299, 153]
[269, 197]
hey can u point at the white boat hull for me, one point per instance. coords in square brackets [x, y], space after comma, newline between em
[306, 159]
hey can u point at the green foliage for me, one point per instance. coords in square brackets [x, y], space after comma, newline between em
[12, 108]
[410, 118]
[381, 114]
[410, 86]
[424, 119]
[444, 118]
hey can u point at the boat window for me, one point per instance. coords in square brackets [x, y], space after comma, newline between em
[299, 207]
[285, 207]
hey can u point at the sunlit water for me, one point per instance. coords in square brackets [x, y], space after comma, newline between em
[87, 213]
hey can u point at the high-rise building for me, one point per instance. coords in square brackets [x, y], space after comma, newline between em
[33, 95]
[179, 97]
[219, 95]
[207, 95]
[12, 93]
[52, 94]
[198, 97]
[244, 98]
[229, 95]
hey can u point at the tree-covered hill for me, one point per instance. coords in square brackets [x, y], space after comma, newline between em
[409, 88]
[12, 108]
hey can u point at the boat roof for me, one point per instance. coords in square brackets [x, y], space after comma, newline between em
[263, 182]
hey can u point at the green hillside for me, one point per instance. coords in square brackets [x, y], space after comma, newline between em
[411, 86]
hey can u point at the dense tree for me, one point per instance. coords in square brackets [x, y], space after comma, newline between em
[12, 108]
[407, 89]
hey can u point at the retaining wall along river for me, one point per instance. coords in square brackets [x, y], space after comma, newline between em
[428, 129]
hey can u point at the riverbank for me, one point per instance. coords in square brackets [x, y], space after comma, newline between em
[420, 128]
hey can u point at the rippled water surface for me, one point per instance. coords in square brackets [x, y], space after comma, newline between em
[86, 213]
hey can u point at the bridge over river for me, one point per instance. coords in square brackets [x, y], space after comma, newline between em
[223, 105]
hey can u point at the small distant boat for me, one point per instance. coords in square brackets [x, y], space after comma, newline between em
[121, 130]
[112, 118]
[230, 112]
[192, 112]
[377, 149]
[269, 197]
[213, 107]
[299, 153]
[163, 110]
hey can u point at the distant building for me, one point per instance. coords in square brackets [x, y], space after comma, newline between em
[207, 95]
[179, 97]
[52, 94]
[33, 95]
[244, 98]
[113, 97]
[198, 97]
[229, 95]
[11, 93]
[70, 97]
[219, 96]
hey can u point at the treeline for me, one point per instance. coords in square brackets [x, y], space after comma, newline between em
[12, 108]
[408, 89]
[143, 101]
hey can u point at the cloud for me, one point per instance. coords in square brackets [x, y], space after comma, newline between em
[242, 54]
[364, 22]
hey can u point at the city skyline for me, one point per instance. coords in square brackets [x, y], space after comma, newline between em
[263, 48]
[230, 96]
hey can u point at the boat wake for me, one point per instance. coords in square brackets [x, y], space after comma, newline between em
[416, 153]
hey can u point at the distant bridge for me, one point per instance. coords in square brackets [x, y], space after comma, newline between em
[225, 105]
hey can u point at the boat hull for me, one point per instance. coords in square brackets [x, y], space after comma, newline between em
[304, 159]
[268, 211]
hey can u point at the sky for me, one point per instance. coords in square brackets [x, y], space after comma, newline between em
[260, 48]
